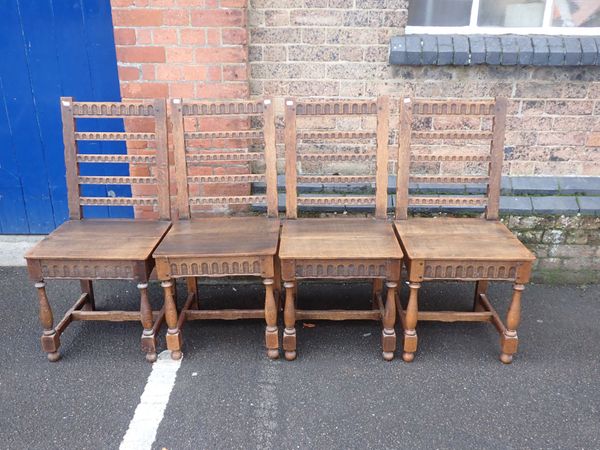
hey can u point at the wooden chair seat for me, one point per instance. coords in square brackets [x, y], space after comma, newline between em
[221, 237]
[463, 239]
[333, 239]
[220, 247]
[462, 249]
[340, 248]
[103, 239]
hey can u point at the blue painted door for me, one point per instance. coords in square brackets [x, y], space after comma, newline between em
[50, 48]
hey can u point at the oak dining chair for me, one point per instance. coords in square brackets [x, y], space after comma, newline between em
[338, 248]
[88, 249]
[234, 242]
[468, 137]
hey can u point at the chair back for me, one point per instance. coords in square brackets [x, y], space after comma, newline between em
[88, 146]
[310, 126]
[462, 138]
[207, 135]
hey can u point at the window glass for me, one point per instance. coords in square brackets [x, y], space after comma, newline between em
[511, 13]
[576, 13]
[448, 13]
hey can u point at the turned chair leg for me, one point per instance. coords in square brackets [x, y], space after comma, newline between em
[388, 337]
[510, 340]
[50, 339]
[277, 285]
[278, 293]
[173, 333]
[271, 331]
[148, 337]
[192, 286]
[87, 288]
[289, 317]
[377, 289]
[481, 287]
[410, 331]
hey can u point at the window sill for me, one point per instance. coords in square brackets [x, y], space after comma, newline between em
[505, 50]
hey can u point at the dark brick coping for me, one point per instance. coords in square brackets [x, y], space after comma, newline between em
[505, 50]
[511, 185]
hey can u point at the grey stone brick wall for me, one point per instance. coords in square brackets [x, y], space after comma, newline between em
[567, 247]
[340, 48]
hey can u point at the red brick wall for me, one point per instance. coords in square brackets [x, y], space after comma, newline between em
[181, 48]
[195, 49]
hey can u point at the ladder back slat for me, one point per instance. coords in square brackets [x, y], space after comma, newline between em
[336, 135]
[232, 108]
[250, 178]
[328, 179]
[96, 158]
[453, 134]
[116, 136]
[116, 180]
[337, 156]
[362, 200]
[467, 200]
[118, 201]
[223, 156]
[448, 179]
[237, 134]
[228, 200]
[450, 157]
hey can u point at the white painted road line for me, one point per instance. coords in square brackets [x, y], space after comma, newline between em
[153, 402]
[266, 410]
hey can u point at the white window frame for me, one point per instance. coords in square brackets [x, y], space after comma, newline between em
[473, 28]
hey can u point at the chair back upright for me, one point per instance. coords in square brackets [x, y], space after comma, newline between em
[145, 151]
[207, 135]
[450, 137]
[313, 125]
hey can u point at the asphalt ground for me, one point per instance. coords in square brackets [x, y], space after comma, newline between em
[339, 393]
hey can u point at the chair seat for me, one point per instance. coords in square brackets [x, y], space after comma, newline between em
[222, 237]
[102, 239]
[338, 238]
[446, 238]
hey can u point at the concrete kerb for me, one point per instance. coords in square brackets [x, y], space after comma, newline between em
[13, 247]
